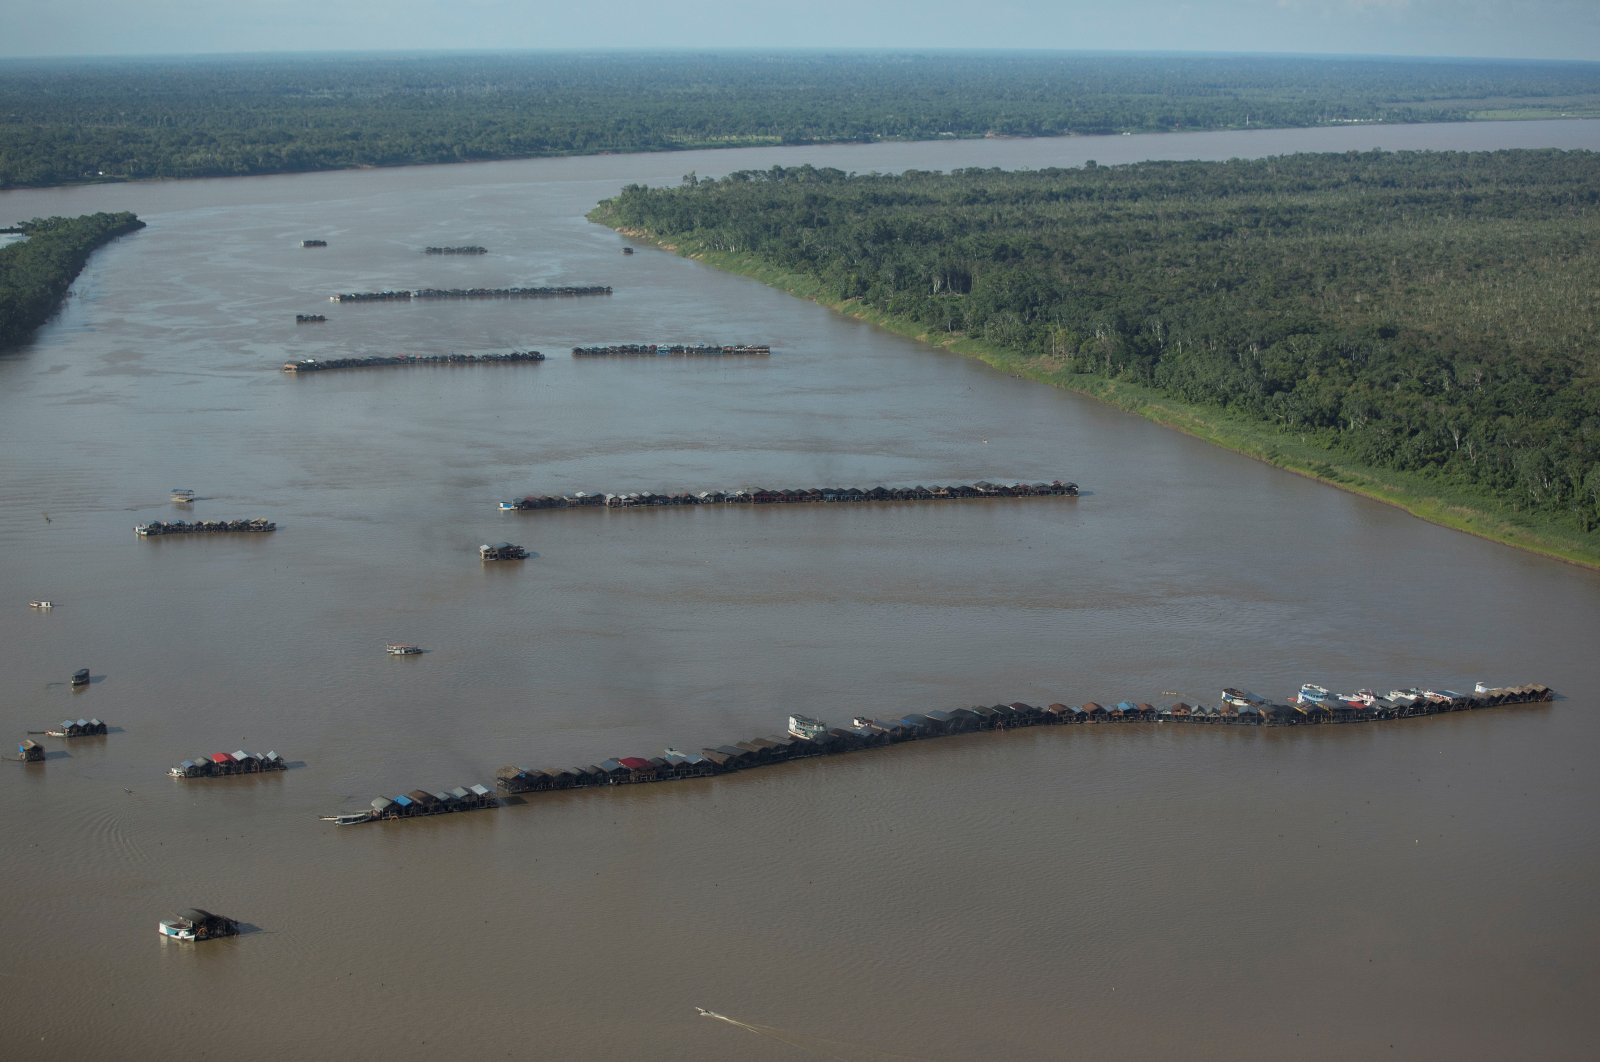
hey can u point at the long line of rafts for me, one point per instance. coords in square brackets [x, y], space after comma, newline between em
[385, 360]
[819, 495]
[419, 803]
[866, 733]
[225, 764]
[669, 350]
[405, 295]
[203, 527]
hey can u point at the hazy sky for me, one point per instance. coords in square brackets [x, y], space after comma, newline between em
[1560, 29]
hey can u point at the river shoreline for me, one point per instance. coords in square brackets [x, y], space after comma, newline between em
[1405, 491]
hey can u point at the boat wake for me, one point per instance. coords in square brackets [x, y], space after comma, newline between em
[817, 1045]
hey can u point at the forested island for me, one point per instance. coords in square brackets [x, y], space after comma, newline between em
[1417, 326]
[36, 271]
[64, 121]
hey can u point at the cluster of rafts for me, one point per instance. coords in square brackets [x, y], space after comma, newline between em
[670, 350]
[813, 495]
[228, 764]
[807, 737]
[203, 527]
[377, 361]
[403, 295]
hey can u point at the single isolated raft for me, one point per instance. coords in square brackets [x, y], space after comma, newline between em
[818, 495]
[383, 361]
[671, 350]
[455, 250]
[203, 527]
[404, 295]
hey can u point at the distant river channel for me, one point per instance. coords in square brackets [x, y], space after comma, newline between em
[1416, 890]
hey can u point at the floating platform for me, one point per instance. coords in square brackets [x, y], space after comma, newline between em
[671, 350]
[500, 551]
[259, 525]
[227, 764]
[808, 737]
[80, 728]
[815, 495]
[313, 243]
[309, 318]
[384, 361]
[420, 803]
[567, 291]
[455, 250]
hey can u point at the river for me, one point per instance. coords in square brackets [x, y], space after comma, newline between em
[1416, 890]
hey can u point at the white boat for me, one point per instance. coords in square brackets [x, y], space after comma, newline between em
[41, 604]
[176, 928]
[1240, 698]
[396, 649]
[182, 495]
[1313, 694]
[803, 726]
[508, 507]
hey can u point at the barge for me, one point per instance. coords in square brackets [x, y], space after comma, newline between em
[203, 527]
[455, 250]
[814, 495]
[670, 350]
[407, 295]
[227, 764]
[379, 361]
[195, 924]
[501, 551]
[808, 737]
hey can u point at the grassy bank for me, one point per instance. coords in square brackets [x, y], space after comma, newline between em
[1301, 454]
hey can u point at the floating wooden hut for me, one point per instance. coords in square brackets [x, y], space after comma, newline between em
[30, 751]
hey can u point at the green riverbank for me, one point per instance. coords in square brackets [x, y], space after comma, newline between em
[1299, 454]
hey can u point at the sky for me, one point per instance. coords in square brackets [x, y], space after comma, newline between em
[1534, 29]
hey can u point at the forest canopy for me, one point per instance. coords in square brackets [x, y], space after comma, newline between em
[63, 121]
[36, 271]
[1419, 311]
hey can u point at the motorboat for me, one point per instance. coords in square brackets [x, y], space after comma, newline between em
[41, 604]
[1313, 694]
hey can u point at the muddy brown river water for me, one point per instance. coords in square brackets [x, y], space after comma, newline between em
[1422, 889]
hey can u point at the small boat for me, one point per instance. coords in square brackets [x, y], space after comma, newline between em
[182, 495]
[41, 604]
[396, 649]
[80, 677]
[508, 507]
[1312, 694]
[1240, 698]
[197, 925]
[803, 726]
[176, 929]
[348, 820]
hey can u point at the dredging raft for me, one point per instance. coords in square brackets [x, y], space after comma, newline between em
[227, 764]
[671, 350]
[384, 361]
[259, 525]
[814, 495]
[406, 295]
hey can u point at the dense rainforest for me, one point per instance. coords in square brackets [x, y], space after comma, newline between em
[1431, 313]
[36, 271]
[63, 121]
